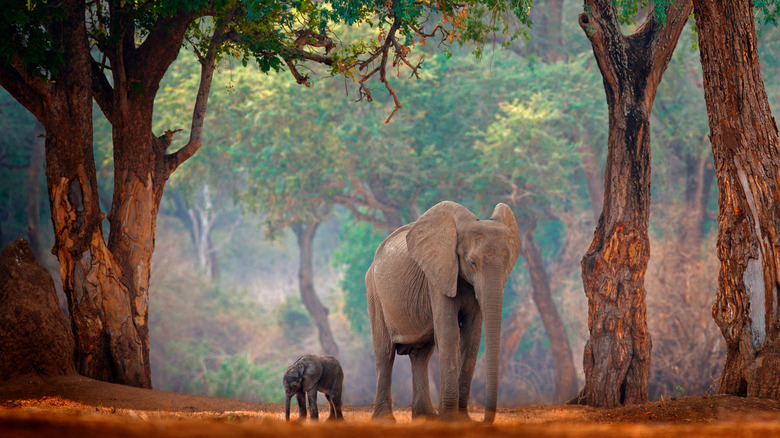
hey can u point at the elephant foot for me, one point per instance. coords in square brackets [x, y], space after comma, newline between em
[423, 412]
[456, 416]
[385, 416]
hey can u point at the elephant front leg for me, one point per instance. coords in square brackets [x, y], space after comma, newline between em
[315, 415]
[421, 391]
[301, 406]
[447, 334]
[470, 334]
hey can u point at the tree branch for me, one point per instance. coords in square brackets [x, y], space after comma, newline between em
[27, 94]
[207, 67]
[102, 91]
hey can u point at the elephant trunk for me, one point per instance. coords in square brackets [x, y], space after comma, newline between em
[287, 398]
[491, 316]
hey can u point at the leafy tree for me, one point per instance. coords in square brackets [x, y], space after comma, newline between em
[48, 67]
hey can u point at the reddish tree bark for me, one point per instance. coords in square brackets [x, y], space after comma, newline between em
[108, 345]
[617, 355]
[746, 151]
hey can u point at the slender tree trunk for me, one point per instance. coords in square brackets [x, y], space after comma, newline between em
[746, 151]
[318, 312]
[33, 211]
[566, 384]
[617, 355]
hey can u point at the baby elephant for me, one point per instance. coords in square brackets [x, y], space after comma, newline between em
[310, 374]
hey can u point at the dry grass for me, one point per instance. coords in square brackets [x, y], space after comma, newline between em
[78, 407]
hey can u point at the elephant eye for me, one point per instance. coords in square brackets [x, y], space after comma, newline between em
[472, 262]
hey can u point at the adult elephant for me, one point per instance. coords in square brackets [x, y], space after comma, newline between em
[432, 283]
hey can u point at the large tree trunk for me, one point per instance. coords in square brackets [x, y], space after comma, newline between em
[746, 152]
[566, 384]
[133, 218]
[108, 346]
[318, 312]
[617, 355]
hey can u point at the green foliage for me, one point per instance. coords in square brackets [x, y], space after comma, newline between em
[768, 11]
[359, 241]
[628, 9]
[237, 376]
[295, 321]
[23, 25]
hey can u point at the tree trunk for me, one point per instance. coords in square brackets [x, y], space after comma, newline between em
[318, 312]
[746, 151]
[33, 211]
[617, 355]
[566, 384]
[108, 346]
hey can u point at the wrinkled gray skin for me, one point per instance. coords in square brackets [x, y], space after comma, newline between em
[432, 283]
[308, 375]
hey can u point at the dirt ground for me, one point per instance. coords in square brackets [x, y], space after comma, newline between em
[76, 406]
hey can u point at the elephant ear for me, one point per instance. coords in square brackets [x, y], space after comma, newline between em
[502, 213]
[432, 242]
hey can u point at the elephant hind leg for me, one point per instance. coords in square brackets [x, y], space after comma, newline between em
[384, 355]
[334, 400]
[332, 415]
[421, 390]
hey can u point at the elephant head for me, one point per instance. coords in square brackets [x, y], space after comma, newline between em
[448, 242]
